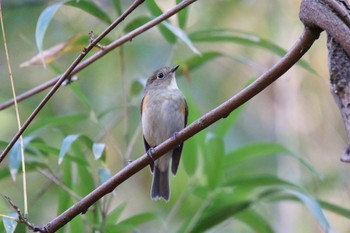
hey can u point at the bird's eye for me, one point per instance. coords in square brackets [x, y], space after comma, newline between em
[160, 75]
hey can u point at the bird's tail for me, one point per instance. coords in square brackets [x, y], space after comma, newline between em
[160, 184]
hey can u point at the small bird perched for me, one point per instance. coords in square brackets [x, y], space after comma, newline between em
[164, 112]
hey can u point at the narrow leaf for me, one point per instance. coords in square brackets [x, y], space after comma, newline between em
[9, 224]
[139, 219]
[214, 155]
[244, 38]
[229, 121]
[182, 35]
[113, 216]
[117, 6]
[98, 149]
[43, 22]
[213, 217]
[182, 16]
[156, 11]
[335, 208]
[135, 23]
[56, 120]
[313, 206]
[253, 151]
[256, 181]
[104, 174]
[66, 144]
[197, 61]
[90, 8]
[80, 95]
[254, 221]
[15, 156]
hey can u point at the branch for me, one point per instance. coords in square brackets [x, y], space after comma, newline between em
[333, 16]
[101, 53]
[76, 67]
[330, 16]
[298, 50]
[67, 74]
[21, 218]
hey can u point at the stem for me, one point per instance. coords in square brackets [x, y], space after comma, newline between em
[66, 74]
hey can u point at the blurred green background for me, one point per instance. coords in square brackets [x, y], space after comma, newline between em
[247, 166]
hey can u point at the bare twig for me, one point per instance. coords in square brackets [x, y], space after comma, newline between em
[299, 49]
[21, 218]
[101, 53]
[68, 73]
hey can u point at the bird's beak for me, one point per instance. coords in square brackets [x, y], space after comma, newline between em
[174, 68]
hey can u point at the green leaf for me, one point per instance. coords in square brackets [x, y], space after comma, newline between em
[213, 160]
[45, 148]
[335, 208]
[9, 224]
[67, 142]
[64, 200]
[191, 153]
[117, 6]
[229, 121]
[131, 224]
[138, 219]
[47, 15]
[113, 216]
[98, 150]
[181, 35]
[104, 174]
[182, 16]
[135, 23]
[84, 181]
[136, 87]
[156, 11]
[91, 8]
[254, 221]
[80, 95]
[197, 61]
[257, 180]
[253, 151]
[288, 193]
[15, 156]
[244, 38]
[77, 225]
[214, 216]
[57, 120]
[43, 22]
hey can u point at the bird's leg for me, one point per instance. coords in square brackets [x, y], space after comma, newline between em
[175, 137]
[150, 153]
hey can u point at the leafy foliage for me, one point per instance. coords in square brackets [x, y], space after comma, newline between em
[218, 184]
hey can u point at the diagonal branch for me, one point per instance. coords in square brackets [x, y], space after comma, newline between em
[101, 53]
[294, 54]
[76, 67]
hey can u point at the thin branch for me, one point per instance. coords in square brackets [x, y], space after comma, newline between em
[106, 49]
[21, 218]
[298, 50]
[67, 74]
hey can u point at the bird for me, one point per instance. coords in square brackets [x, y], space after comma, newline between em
[164, 112]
